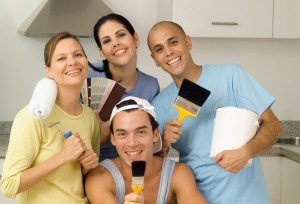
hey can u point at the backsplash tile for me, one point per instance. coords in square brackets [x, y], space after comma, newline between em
[5, 127]
[291, 128]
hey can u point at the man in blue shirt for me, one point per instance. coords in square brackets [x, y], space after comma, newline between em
[227, 179]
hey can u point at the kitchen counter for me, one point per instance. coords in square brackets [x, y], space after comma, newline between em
[278, 150]
[288, 151]
[291, 129]
[3, 145]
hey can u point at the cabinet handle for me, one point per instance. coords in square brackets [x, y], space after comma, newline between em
[224, 23]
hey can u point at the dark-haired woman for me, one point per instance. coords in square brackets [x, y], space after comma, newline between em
[118, 42]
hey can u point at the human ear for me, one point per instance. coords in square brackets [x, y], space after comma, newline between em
[48, 72]
[112, 139]
[156, 135]
[136, 40]
[156, 63]
[188, 42]
[102, 55]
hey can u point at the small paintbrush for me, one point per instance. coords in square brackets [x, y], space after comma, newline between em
[138, 171]
[190, 99]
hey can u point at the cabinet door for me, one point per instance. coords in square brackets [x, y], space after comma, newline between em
[272, 173]
[286, 19]
[219, 18]
[290, 182]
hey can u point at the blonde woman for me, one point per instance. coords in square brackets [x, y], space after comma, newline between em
[41, 166]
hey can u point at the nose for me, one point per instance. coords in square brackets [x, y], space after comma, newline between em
[116, 43]
[132, 140]
[71, 60]
[168, 50]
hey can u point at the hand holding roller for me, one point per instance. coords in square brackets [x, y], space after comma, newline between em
[42, 102]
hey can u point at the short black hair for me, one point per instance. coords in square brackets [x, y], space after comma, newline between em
[153, 122]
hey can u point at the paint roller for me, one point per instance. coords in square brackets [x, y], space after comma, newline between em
[42, 102]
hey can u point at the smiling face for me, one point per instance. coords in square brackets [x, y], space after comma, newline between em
[133, 135]
[118, 46]
[170, 49]
[68, 65]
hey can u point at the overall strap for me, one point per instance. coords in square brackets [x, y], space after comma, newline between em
[165, 180]
[119, 181]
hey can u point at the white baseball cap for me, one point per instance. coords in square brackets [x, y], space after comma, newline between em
[142, 104]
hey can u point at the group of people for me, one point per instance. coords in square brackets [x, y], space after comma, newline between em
[42, 166]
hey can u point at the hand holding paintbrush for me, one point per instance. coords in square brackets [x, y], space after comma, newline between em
[190, 99]
[138, 171]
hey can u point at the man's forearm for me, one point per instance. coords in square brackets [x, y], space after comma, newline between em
[266, 136]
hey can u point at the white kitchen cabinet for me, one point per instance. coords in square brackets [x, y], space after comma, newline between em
[272, 173]
[286, 19]
[219, 18]
[290, 189]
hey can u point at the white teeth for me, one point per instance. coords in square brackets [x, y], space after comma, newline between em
[73, 72]
[133, 153]
[120, 52]
[173, 61]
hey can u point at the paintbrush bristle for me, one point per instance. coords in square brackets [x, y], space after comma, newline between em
[190, 99]
[193, 93]
[138, 168]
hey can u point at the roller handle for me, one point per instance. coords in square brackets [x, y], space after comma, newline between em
[68, 134]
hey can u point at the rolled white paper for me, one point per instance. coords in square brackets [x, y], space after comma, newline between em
[234, 127]
[43, 98]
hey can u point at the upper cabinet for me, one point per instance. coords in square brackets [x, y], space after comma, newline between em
[286, 19]
[238, 18]
[230, 18]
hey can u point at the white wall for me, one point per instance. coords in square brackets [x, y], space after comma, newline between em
[273, 62]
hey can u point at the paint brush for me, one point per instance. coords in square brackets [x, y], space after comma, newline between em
[190, 99]
[138, 171]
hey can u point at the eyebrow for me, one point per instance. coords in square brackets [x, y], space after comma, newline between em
[156, 46]
[142, 127]
[160, 44]
[138, 128]
[123, 29]
[63, 54]
[171, 38]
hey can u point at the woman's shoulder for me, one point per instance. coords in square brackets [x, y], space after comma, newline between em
[93, 73]
[145, 76]
[96, 70]
[27, 113]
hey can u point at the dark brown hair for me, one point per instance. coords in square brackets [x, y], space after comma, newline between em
[110, 17]
[153, 122]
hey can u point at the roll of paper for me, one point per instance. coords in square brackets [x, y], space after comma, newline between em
[43, 98]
